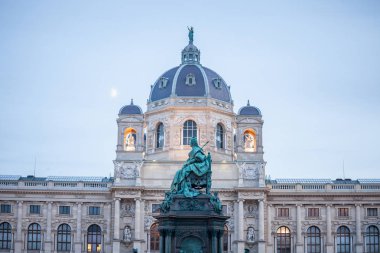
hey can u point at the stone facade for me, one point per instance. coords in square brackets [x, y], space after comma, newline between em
[87, 214]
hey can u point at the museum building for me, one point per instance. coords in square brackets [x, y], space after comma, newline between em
[94, 214]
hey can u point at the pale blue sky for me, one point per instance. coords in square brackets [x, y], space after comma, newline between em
[312, 67]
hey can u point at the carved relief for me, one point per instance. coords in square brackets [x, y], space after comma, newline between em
[127, 170]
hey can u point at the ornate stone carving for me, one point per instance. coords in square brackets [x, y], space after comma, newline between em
[148, 221]
[251, 171]
[125, 170]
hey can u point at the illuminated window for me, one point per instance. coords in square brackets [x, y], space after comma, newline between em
[160, 136]
[343, 212]
[343, 240]
[189, 131]
[5, 235]
[283, 240]
[129, 139]
[34, 237]
[63, 237]
[154, 238]
[372, 240]
[249, 141]
[94, 238]
[313, 240]
[219, 136]
[313, 212]
[283, 212]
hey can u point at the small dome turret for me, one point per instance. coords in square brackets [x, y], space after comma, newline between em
[249, 110]
[130, 109]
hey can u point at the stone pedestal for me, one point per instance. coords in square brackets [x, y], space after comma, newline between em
[191, 225]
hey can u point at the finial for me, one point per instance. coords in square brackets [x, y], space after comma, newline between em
[191, 34]
[248, 103]
[131, 101]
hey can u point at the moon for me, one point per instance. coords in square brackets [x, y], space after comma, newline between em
[113, 92]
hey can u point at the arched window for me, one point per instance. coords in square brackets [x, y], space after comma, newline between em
[225, 239]
[94, 238]
[34, 237]
[372, 240]
[154, 238]
[249, 140]
[160, 135]
[5, 235]
[189, 131]
[283, 240]
[63, 237]
[219, 136]
[129, 139]
[313, 240]
[343, 240]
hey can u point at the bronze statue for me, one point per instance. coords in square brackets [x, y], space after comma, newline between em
[198, 164]
[191, 34]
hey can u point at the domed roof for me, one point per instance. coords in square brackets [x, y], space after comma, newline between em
[190, 79]
[249, 110]
[130, 109]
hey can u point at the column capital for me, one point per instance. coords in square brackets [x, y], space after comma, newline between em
[298, 205]
[117, 199]
[137, 199]
[358, 205]
[328, 205]
[19, 202]
[240, 200]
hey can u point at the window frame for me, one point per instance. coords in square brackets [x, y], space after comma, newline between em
[372, 239]
[94, 231]
[219, 133]
[189, 130]
[62, 210]
[283, 212]
[34, 209]
[313, 212]
[63, 238]
[91, 210]
[374, 210]
[343, 212]
[283, 240]
[5, 208]
[34, 237]
[313, 240]
[5, 235]
[160, 136]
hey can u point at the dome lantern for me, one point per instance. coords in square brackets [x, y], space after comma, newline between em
[190, 54]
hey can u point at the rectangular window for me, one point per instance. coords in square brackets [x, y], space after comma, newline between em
[313, 212]
[35, 209]
[64, 210]
[94, 210]
[343, 212]
[371, 211]
[155, 208]
[283, 212]
[5, 208]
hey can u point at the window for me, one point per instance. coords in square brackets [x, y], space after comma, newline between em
[5, 235]
[372, 240]
[5, 208]
[64, 210]
[190, 78]
[283, 240]
[249, 140]
[313, 240]
[343, 240]
[217, 83]
[94, 210]
[219, 136]
[35, 209]
[189, 131]
[313, 212]
[129, 139]
[163, 82]
[283, 212]
[154, 237]
[94, 238]
[160, 136]
[155, 208]
[34, 237]
[63, 238]
[343, 212]
[372, 212]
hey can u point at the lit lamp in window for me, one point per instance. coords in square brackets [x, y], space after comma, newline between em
[249, 141]
[129, 139]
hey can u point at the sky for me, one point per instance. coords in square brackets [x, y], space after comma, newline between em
[312, 67]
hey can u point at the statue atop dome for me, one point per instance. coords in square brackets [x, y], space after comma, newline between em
[191, 34]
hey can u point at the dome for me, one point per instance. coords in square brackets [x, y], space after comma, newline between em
[130, 109]
[249, 110]
[190, 79]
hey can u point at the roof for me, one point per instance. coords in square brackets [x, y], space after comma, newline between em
[249, 110]
[130, 109]
[57, 178]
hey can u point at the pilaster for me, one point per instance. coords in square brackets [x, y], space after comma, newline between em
[19, 239]
[116, 231]
[359, 241]
[78, 237]
[137, 241]
[329, 241]
[48, 241]
[261, 242]
[299, 243]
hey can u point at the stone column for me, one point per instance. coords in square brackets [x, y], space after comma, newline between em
[269, 245]
[240, 226]
[220, 241]
[168, 241]
[48, 241]
[19, 239]
[359, 242]
[136, 242]
[78, 237]
[261, 240]
[116, 226]
[329, 241]
[108, 240]
[214, 244]
[162, 242]
[299, 241]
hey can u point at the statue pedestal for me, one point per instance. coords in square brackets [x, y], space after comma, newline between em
[191, 225]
